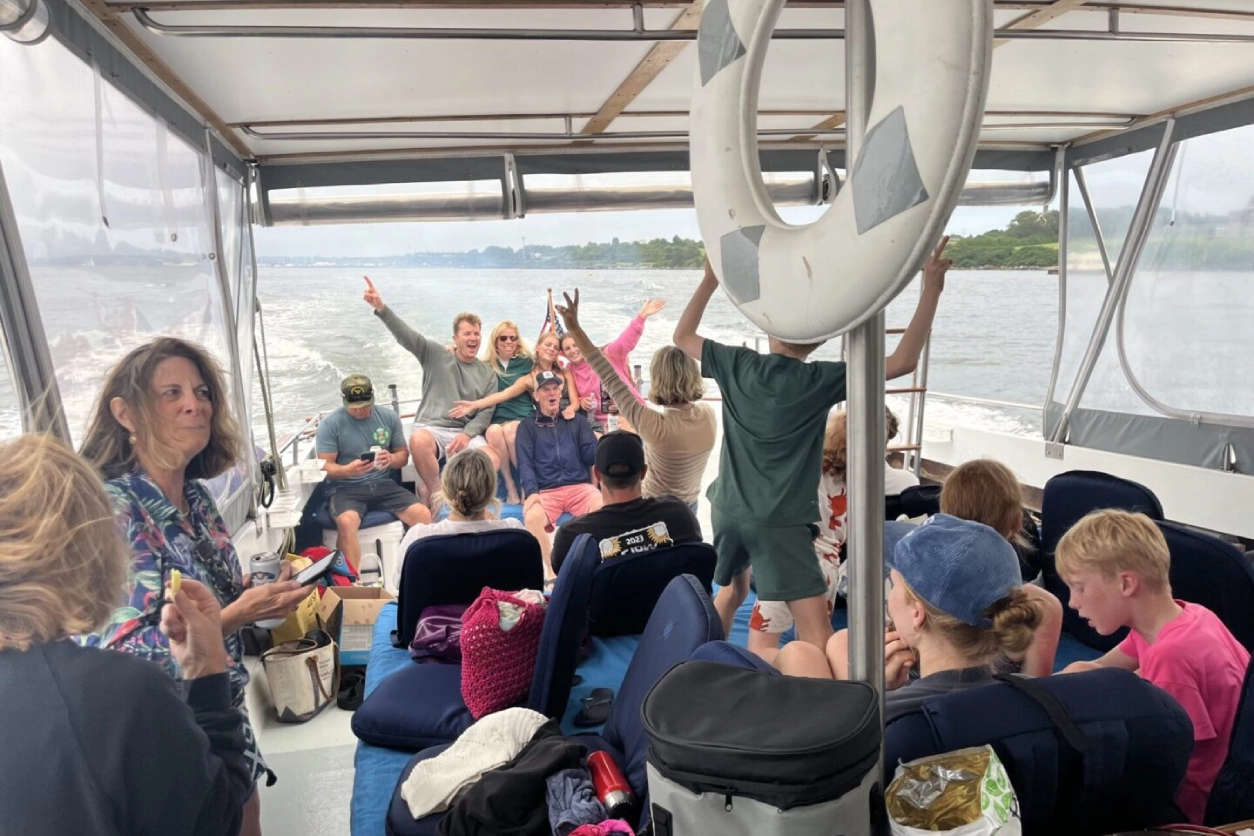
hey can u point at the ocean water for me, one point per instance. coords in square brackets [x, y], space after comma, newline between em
[993, 336]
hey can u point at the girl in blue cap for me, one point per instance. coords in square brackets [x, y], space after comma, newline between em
[955, 603]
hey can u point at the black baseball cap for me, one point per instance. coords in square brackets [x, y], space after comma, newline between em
[620, 454]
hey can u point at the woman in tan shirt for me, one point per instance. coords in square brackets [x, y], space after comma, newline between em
[678, 433]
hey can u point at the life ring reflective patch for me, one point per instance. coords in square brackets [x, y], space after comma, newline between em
[812, 282]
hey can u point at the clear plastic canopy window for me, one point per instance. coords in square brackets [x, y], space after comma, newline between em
[1180, 345]
[116, 219]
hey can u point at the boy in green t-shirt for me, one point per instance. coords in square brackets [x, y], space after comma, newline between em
[764, 503]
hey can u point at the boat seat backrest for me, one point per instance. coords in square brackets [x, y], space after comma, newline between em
[1066, 499]
[915, 501]
[1205, 570]
[1137, 743]
[1232, 797]
[626, 588]
[454, 569]
[683, 620]
[565, 625]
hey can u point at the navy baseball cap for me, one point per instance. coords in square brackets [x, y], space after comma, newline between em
[959, 567]
[546, 378]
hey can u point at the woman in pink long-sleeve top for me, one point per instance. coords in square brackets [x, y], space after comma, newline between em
[618, 352]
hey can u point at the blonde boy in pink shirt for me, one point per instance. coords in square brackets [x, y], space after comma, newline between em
[1116, 564]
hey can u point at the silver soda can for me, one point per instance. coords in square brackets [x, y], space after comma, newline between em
[264, 568]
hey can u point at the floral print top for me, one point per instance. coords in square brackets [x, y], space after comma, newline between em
[162, 538]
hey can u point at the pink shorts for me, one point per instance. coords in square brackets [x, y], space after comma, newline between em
[575, 499]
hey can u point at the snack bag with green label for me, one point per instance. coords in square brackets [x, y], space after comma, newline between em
[962, 793]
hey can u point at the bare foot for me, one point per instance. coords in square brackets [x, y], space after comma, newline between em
[512, 498]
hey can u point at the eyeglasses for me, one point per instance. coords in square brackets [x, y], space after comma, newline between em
[505, 339]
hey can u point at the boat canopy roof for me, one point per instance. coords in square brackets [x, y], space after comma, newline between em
[367, 92]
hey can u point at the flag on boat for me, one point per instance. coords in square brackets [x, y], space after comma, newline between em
[551, 320]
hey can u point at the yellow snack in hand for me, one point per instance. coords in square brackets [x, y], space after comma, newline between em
[176, 580]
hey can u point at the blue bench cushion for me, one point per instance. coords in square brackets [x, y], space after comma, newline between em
[417, 707]
[399, 820]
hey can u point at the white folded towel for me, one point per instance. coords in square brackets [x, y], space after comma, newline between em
[493, 741]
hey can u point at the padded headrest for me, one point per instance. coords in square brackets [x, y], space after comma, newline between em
[1066, 499]
[683, 620]
[919, 500]
[1139, 744]
[626, 589]
[565, 624]
[454, 569]
[1068, 496]
[1205, 570]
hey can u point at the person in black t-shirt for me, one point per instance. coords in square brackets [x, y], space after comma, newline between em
[627, 523]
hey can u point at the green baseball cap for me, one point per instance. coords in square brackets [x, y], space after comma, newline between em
[357, 390]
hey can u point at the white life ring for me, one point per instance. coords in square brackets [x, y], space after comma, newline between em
[812, 282]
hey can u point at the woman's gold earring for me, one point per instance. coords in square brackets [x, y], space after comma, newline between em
[132, 440]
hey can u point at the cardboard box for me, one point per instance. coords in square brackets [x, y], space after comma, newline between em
[300, 622]
[349, 614]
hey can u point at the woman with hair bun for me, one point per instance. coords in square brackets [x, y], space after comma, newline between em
[468, 489]
[955, 604]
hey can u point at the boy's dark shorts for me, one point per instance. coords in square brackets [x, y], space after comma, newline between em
[785, 567]
[380, 494]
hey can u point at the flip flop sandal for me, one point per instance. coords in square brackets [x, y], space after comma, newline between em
[352, 689]
[596, 708]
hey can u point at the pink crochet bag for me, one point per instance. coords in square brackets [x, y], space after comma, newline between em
[497, 664]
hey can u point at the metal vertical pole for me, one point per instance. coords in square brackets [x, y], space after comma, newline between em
[1125, 268]
[1064, 249]
[25, 343]
[229, 312]
[865, 403]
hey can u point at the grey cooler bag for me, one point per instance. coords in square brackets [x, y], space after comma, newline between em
[742, 752]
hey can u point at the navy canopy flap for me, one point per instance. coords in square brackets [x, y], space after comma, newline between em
[565, 624]
[683, 620]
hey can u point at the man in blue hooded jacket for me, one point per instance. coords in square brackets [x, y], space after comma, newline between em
[555, 457]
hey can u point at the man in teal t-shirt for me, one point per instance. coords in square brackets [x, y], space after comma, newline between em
[360, 445]
[764, 503]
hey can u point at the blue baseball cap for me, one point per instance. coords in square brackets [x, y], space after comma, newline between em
[959, 567]
[547, 379]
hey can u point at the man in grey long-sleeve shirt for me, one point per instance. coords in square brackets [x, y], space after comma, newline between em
[446, 377]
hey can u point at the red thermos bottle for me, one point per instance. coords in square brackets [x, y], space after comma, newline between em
[610, 785]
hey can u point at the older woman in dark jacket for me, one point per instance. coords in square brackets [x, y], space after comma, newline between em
[98, 743]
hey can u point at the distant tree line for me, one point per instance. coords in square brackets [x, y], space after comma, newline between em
[1028, 241]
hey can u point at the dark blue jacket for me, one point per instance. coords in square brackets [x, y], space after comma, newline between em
[554, 455]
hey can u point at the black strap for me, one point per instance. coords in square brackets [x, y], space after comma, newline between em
[1057, 712]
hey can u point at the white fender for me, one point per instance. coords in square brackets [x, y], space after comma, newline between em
[812, 282]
